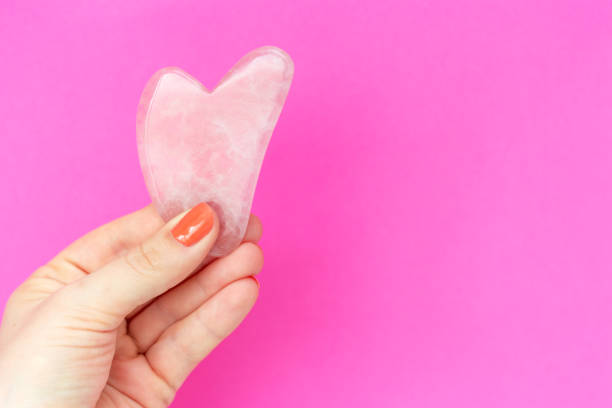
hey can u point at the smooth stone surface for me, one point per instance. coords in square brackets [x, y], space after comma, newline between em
[195, 145]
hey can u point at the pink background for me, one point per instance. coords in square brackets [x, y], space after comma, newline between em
[436, 196]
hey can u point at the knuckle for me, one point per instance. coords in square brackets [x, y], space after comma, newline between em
[143, 260]
[207, 328]
[31, 290]
[13, 299]
[166, 393]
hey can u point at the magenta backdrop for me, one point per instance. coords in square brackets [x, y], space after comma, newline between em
[436, 196]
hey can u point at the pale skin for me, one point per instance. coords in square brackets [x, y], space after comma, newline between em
[122, 316]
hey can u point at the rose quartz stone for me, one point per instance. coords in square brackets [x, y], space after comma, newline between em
[197, 145]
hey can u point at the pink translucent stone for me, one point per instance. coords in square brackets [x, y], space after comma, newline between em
[195, 145]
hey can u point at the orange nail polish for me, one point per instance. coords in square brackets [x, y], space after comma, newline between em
[195, 225]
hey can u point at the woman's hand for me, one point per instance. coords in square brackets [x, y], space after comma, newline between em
[123, 315]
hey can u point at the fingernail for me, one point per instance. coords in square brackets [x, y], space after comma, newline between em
[195, 225]
[256, 281]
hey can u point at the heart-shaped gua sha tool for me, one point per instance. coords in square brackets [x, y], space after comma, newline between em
[195, 145]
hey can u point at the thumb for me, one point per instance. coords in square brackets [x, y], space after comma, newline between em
[150, 269]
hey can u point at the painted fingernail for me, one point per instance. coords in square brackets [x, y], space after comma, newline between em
[256, 281]
[195, 225]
